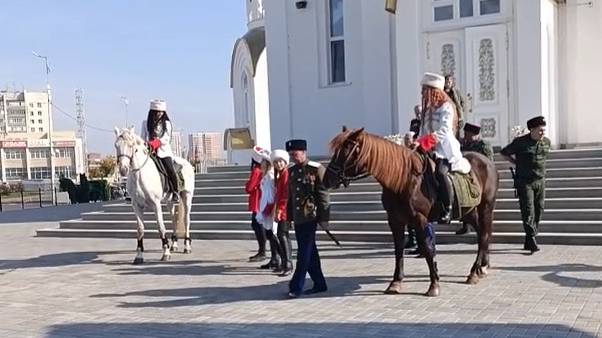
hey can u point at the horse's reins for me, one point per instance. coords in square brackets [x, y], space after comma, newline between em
[340, 172]
[131, 158]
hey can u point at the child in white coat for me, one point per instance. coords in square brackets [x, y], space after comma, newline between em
[265, 216]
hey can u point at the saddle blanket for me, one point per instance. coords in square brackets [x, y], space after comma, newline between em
[177, 168]
[467, 190]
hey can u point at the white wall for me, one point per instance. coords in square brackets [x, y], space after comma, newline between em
[582, 71]
[262, 104]
[528, 60]
[302, 104]
[409, 60]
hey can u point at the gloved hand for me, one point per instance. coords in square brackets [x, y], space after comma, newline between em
[427, 142]
[154, 144]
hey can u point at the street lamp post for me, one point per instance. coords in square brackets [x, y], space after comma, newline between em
[49, 94]
[125, 102]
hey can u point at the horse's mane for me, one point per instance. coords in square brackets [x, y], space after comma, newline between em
[131, 137]
[391, 164]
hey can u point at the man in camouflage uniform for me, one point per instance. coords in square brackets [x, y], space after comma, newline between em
[456, 96]
[529, 153]
[308, 206]
[472, 142]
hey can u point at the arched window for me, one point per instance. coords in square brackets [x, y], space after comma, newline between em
[246, 107]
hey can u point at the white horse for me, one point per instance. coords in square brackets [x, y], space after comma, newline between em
[146, 191]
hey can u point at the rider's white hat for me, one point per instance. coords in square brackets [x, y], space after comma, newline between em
[280, 154]
[159, 105]
[433, 80]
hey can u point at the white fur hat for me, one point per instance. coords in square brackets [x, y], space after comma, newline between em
[256, 154]
[280, 154]
[159, 105]
[433, 80]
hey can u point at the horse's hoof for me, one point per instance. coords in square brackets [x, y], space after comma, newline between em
[187, 251]
[165, 258]
[433, 291]
[472, 279]
[394, 288]
[172, 249]
[138, 260]
[482, 272]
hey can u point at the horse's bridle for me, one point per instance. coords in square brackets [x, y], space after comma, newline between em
[339, 171]
[131, 158]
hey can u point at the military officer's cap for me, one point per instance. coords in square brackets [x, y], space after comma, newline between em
[536, 122]
[296, 145]
[472, 128]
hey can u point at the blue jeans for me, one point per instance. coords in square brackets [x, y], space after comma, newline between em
[308, 259]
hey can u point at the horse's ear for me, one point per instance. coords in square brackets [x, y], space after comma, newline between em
[344, 128]
[117, 131]
[356, 132]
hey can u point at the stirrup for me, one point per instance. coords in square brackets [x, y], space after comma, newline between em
[175, 197]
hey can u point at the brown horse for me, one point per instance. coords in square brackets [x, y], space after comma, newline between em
[407, 201]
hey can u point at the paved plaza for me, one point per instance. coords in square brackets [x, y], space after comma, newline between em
[53, 287]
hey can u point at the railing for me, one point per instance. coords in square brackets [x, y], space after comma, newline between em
[29, 199]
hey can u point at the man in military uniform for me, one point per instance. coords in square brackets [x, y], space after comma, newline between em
[454, 93]
[529, 153]
[472, 142]
[308, 206]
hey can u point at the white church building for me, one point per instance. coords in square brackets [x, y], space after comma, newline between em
[305, 68]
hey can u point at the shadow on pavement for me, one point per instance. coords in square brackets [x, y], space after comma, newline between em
[48, 214]
[333, 329]
[555, 274]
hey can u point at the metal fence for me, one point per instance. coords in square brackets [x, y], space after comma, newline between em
[27, 199]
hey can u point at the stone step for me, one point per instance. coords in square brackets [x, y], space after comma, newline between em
[563, 154]
[572, 171]
[558, 182]
[343, 236]
[338, 225]
[371, 188]
[380, 215]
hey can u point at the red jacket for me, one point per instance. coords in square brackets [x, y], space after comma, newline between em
[281, 198]
[252, 188]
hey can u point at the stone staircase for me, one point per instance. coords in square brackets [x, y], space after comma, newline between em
[573, 212]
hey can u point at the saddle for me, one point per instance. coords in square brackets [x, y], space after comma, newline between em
[164, 176]
[466, 194]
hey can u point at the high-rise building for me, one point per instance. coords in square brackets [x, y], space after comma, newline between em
[23, 112]
[176, 143]
[205, 147]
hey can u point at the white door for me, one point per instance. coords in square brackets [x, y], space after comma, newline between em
[487, 81]
[445, 54]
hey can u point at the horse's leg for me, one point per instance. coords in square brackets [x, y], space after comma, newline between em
[486, 224]
[474, 219]
[162, 232]
[426, 237]
[398, 231]
[185, 208]
[174, 223]
[140, 234]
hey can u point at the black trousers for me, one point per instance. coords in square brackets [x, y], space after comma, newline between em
[285, 244]
[260, 234]
[171, 173]
[445, 188]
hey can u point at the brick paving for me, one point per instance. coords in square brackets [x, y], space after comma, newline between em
[53, 287]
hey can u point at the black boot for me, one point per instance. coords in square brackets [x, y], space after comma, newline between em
[274, 249]
[172, 178]
[260, 237]
[531, 244]
[463, 230]
[445, 190]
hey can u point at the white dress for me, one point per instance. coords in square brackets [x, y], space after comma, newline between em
[268, 195]
[165, 148]
[440, 122]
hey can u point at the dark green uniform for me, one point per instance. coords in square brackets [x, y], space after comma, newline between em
[309, 201]
[531, 158]
[308, 205]
[480, 147]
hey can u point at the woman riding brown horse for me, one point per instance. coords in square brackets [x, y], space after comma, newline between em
[405, 198]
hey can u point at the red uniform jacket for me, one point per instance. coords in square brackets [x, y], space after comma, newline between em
[252, 188]
[281, 199]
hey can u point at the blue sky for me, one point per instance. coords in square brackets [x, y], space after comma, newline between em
[176, 50]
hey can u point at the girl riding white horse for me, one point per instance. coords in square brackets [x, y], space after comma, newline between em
[145, 188]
